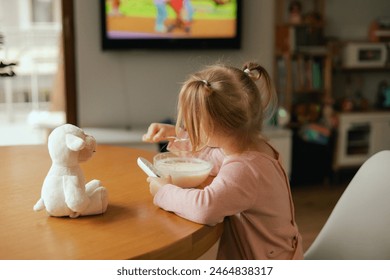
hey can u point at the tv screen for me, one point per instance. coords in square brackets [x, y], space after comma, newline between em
[170, 24]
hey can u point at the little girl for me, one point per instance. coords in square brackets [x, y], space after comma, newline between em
[221, 110]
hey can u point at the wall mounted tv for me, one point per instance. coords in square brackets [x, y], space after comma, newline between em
[170, 24]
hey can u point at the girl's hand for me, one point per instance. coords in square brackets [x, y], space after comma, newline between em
[158, 132]
[156, 183]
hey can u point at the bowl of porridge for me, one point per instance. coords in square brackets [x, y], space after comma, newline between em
[185, 171]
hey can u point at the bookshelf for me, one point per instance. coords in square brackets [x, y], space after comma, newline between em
[303, 62]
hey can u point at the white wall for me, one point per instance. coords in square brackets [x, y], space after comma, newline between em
[133, 88]
[350, 19]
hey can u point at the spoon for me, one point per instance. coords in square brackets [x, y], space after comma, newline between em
[177, 139]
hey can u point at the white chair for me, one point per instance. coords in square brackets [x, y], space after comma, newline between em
[359, 225]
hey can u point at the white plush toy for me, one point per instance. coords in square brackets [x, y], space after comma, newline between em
[64, 192]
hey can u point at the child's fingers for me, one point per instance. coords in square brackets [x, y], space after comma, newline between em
[158, 132]
[151, 133]
[160, 135]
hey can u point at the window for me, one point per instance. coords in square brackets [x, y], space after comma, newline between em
[42, 11]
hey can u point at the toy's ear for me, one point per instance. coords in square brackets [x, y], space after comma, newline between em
[74, 143]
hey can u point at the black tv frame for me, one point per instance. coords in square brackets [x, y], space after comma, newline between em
[170, 43]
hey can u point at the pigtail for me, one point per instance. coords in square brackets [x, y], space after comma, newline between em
[193, 108]
[267, 90]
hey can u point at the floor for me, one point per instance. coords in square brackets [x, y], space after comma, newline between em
[313, 203]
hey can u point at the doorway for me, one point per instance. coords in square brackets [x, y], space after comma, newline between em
[36, 58]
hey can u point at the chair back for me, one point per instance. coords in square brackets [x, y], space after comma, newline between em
[359, 225]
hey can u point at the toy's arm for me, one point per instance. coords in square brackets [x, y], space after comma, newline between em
[75, 196]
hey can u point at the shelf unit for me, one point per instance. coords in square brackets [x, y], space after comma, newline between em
[303, 62]
[360, 81]
[360, 135]
[301, 57]
[361, 132]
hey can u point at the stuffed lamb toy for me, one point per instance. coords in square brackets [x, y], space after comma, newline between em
[64, 192]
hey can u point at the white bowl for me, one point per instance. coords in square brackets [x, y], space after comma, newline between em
[186, 172]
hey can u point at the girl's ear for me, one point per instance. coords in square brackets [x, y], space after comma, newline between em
[74, 143]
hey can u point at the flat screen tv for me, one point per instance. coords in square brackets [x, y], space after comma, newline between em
[170, 24]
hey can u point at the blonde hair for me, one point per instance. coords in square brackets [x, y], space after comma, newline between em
[226, 100]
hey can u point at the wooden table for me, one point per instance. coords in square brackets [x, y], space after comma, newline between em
[132, 228]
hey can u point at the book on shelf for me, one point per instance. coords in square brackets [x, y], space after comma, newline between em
[300, 38]
[306, 74]
[316, 75]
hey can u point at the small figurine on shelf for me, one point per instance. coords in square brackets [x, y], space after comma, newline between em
[379, 30]
[346, 103]
[295, 12]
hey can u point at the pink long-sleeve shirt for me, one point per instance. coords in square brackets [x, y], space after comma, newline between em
[251, 195]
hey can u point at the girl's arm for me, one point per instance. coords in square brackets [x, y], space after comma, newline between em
[231, 192]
